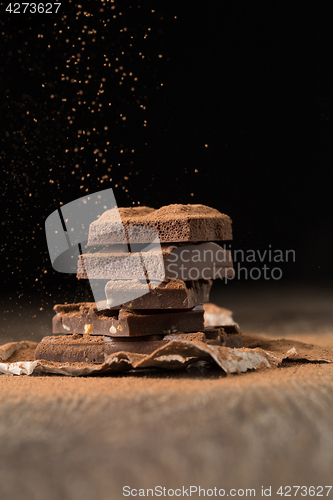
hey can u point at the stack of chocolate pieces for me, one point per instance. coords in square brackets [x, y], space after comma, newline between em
[153, 287]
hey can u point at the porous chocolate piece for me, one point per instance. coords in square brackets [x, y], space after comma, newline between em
[190, 262]
[175, 294]
[84, 318]
[87, 349]
[174, 223]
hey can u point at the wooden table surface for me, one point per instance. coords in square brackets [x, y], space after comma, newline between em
[86, 438]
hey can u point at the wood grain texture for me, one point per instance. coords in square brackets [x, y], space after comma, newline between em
[64, 438]
[84, 438]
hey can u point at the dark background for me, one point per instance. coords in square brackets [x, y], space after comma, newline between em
[226, 104]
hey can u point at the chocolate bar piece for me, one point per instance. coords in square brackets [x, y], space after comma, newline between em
[84, 318]
[189, 262]
[86, 349]
[175, 294]
[93, 349]
[173, 223]
[231, 336]
[197, 336]
[227, 336]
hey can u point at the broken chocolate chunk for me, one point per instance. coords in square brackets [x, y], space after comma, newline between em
[185, 262]
[94, 349]
[175, 294]
[84, 318]
[174, 223]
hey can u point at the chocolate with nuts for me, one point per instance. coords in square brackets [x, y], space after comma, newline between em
[153, 293]
[84, 318]
[94, 349]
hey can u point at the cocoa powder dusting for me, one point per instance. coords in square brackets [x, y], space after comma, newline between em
[27, 354]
